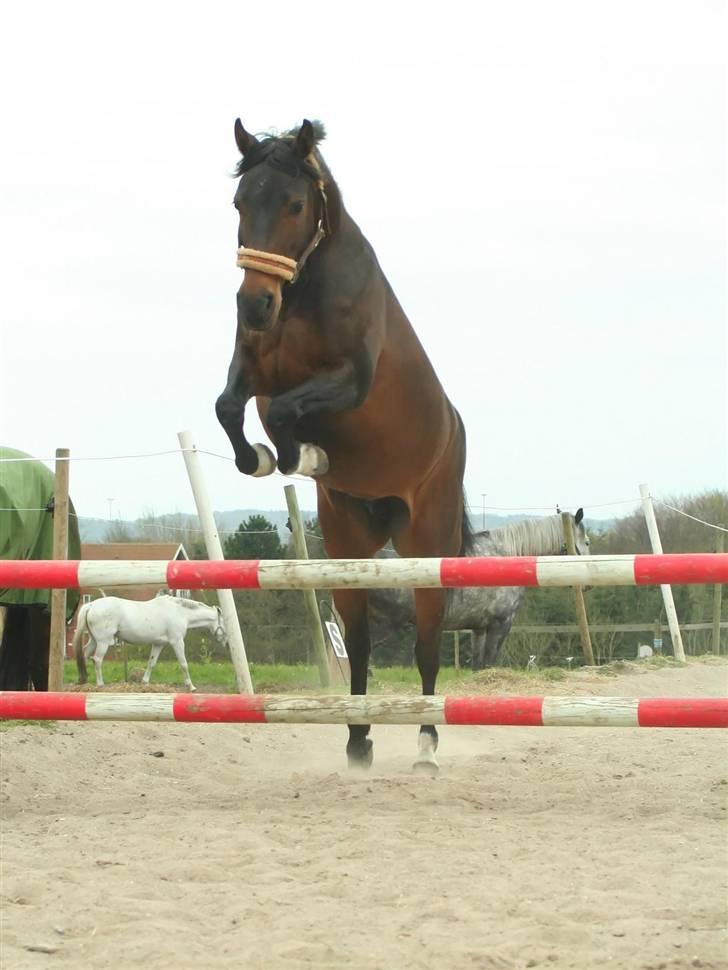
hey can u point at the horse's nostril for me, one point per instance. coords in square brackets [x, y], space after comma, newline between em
[268, 301]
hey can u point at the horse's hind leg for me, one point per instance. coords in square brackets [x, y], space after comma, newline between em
[350, 532]
[352, 607]
[99, 653]
[179, 648]
[430, 608]
[153, 658]
[434, 531]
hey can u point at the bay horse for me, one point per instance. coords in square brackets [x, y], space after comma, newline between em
[345, 391]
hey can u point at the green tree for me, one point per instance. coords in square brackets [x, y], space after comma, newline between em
[255, 538]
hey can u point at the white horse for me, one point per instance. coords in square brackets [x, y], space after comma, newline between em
[165, 619]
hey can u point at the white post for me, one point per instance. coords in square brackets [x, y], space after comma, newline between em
[647, 508]
[214, 551]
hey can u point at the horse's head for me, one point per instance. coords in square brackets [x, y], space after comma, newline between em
[581, 538]
[282, 206]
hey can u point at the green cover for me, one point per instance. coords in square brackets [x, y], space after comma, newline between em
[27, 533]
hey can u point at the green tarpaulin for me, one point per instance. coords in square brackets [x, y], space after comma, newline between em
[26, 528]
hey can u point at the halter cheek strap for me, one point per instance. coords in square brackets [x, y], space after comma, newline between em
[281, 266]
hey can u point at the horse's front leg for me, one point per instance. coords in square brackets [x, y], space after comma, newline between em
[328, 393]
[256, 460]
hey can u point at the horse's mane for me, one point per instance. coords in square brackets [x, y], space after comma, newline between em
[532, 537]
[187, 603]
[278, 151]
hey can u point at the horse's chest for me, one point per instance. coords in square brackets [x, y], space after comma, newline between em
[286, 359]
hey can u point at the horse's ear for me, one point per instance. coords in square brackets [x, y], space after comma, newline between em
[579, 516]
[305, 139]
[243, 139]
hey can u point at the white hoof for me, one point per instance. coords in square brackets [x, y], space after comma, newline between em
[311, 461]
[266, 461]
[426, 762]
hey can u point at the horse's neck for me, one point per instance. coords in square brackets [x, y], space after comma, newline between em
[532, 537]
[202, 617]
[196, 614]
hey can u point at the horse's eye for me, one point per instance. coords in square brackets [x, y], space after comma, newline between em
[295, 208]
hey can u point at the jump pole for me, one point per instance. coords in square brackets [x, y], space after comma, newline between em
[667, 597]
[214, 552]
[57, 642]
[635, 570]
[668, 712]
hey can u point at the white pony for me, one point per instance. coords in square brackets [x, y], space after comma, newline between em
[165, 619]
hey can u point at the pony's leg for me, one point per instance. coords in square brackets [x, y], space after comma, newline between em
[99, 653]
[153, 658]
[179, 649]
[350, 532]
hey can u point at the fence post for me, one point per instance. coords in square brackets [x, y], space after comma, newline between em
[456, 648]
[581, 619]
[670, 611]
[57, 649]
[309, 595]
[214, 552]
[717, 594]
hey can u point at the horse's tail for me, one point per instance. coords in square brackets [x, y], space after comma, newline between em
[81, 628]
[467, 535]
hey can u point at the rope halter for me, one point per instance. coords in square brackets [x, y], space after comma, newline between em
[281, 266]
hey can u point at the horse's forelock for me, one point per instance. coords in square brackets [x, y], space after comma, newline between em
[278, 151]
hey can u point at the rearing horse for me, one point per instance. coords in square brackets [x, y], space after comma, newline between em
[344, 389]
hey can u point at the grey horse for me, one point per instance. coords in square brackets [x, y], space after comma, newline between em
[488, 612]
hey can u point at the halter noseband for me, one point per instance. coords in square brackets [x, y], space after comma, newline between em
[281, 266]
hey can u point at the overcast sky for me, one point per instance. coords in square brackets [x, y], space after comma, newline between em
[544, 185]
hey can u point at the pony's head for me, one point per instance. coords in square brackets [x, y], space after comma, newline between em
[581, 537]
[282, 205]
[220, 633]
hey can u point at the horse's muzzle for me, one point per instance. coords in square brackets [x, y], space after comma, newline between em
[258, 310]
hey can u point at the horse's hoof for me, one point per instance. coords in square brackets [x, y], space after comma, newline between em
[312, 461]
[429, 769]
[192, 688]
[266, 461]
[360, 754]
[426, 762]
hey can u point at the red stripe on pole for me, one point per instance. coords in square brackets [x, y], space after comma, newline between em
[703, 567]
[494, 710]
[235, 708]
[707, 712]
[501, 571]
[22, 705]
[204, 574]
[38, 574]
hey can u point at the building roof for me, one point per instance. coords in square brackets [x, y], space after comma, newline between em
[133, 550]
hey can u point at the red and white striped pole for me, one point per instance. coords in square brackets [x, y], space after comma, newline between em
[670, 712]
[639, 570]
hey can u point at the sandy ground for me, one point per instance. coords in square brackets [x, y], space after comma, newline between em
[223, 846]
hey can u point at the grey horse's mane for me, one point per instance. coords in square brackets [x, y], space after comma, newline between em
[531, 537]
[190, 604]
